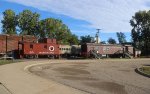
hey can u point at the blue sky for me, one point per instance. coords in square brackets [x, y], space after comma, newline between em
[83, 17]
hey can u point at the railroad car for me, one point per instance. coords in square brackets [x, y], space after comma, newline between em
[65, 50]
[106, 50]
[9, 44]
[48, 48]
[70, 50]
[76, 50]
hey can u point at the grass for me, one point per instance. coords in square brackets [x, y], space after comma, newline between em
[146, 69]
[3, 62]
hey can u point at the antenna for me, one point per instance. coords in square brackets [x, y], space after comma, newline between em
[98, 30]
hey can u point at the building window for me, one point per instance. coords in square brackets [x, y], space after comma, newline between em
[104, 48]
[107, 48]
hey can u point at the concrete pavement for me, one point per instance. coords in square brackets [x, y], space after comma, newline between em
[20, 81]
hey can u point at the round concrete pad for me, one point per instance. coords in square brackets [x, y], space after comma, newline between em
[107, 77]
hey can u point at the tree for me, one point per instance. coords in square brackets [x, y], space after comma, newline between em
[55, 28]
[121, 37]
[86, 39]
[103, 42]
[111, 41]
[28, 22]
[9, 22]
[141, 31]
[73, 39]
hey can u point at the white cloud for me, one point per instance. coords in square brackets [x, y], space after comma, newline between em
[110, 15]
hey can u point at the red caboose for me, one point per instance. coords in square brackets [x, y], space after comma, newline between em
[45, 48]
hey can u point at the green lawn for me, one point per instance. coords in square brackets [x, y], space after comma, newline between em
[3, 62]
[146, 69]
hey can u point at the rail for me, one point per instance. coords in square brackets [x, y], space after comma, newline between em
[95, 54]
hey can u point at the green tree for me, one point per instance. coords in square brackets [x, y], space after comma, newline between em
[121, 37]
[73, 39]
[9, 22]
[103, 42]
[141, 31]
[111, 41]
[86, 39]
[28, 22]
[55, 28]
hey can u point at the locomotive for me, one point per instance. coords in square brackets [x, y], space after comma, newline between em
[30, 47]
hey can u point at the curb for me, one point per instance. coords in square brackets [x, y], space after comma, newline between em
[137, 70]
[26, 68]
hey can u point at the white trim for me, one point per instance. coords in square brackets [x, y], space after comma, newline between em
[51, 47]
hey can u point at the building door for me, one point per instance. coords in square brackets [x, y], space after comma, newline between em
[126, 49]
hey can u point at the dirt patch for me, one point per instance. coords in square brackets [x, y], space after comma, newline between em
[71, 71]
[111, 87]
[78, 78]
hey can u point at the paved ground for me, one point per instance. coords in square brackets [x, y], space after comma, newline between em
[75, 77]
[4, 90]
[98, 77]
[20, 81]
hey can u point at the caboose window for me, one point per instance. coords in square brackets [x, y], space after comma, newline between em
[31, 46]
[45, 46]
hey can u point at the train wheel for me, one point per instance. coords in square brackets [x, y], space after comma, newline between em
[30, 56]
[51, 56]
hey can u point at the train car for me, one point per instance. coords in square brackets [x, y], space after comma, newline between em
[76, 50]
[2, 44]
[106, 50]
[9, 43]
[65, 50]
[70, 50]
[48, 48]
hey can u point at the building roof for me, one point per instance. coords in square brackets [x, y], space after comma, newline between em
[95, 44]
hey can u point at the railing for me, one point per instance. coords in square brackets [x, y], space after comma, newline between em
[128, 54]
[95, 54]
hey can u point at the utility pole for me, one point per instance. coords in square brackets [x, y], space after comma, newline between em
[97, 35]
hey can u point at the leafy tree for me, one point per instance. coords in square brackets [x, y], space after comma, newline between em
[9, 22]
[28, 22]
[54, 28]
[86, 39]
[141, 31]
[73, 39]
[111, 41]
[121, 37]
